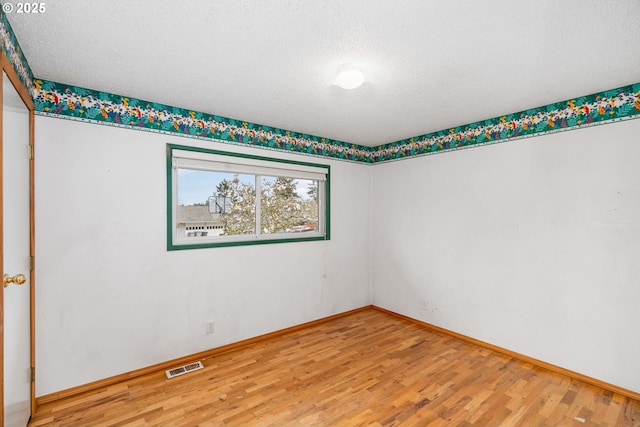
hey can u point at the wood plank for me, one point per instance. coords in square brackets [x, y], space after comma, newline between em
[542, 364]
[383, 371]
[96, 385]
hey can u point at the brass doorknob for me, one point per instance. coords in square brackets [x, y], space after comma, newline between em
[18, 279]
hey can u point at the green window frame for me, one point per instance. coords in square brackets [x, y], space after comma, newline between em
[250, 200]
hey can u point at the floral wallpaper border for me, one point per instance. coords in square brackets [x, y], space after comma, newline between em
[604, 107]
[13, 51]
[66, 101]
[77, 103]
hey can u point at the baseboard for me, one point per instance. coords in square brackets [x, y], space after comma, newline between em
[160, 367]
[572, 374]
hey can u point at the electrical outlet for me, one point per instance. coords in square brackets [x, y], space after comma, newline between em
[209, 327]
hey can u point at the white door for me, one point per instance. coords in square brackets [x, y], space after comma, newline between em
[16, 236]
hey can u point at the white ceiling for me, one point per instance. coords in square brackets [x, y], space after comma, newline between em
[429, 65]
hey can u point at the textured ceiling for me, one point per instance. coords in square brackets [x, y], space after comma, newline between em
[429, 65]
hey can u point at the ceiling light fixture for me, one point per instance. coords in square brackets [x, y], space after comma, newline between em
[349, 77]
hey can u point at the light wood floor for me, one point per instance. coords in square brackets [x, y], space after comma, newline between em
[369, 369]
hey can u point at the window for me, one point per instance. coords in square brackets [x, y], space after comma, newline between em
[226, 199]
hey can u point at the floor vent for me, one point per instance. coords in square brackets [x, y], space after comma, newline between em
[175, 372]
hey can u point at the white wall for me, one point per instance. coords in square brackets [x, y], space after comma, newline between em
[111, 299]
[532, 245]
[529, 245]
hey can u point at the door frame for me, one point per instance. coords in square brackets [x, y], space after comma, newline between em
[7, 67]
